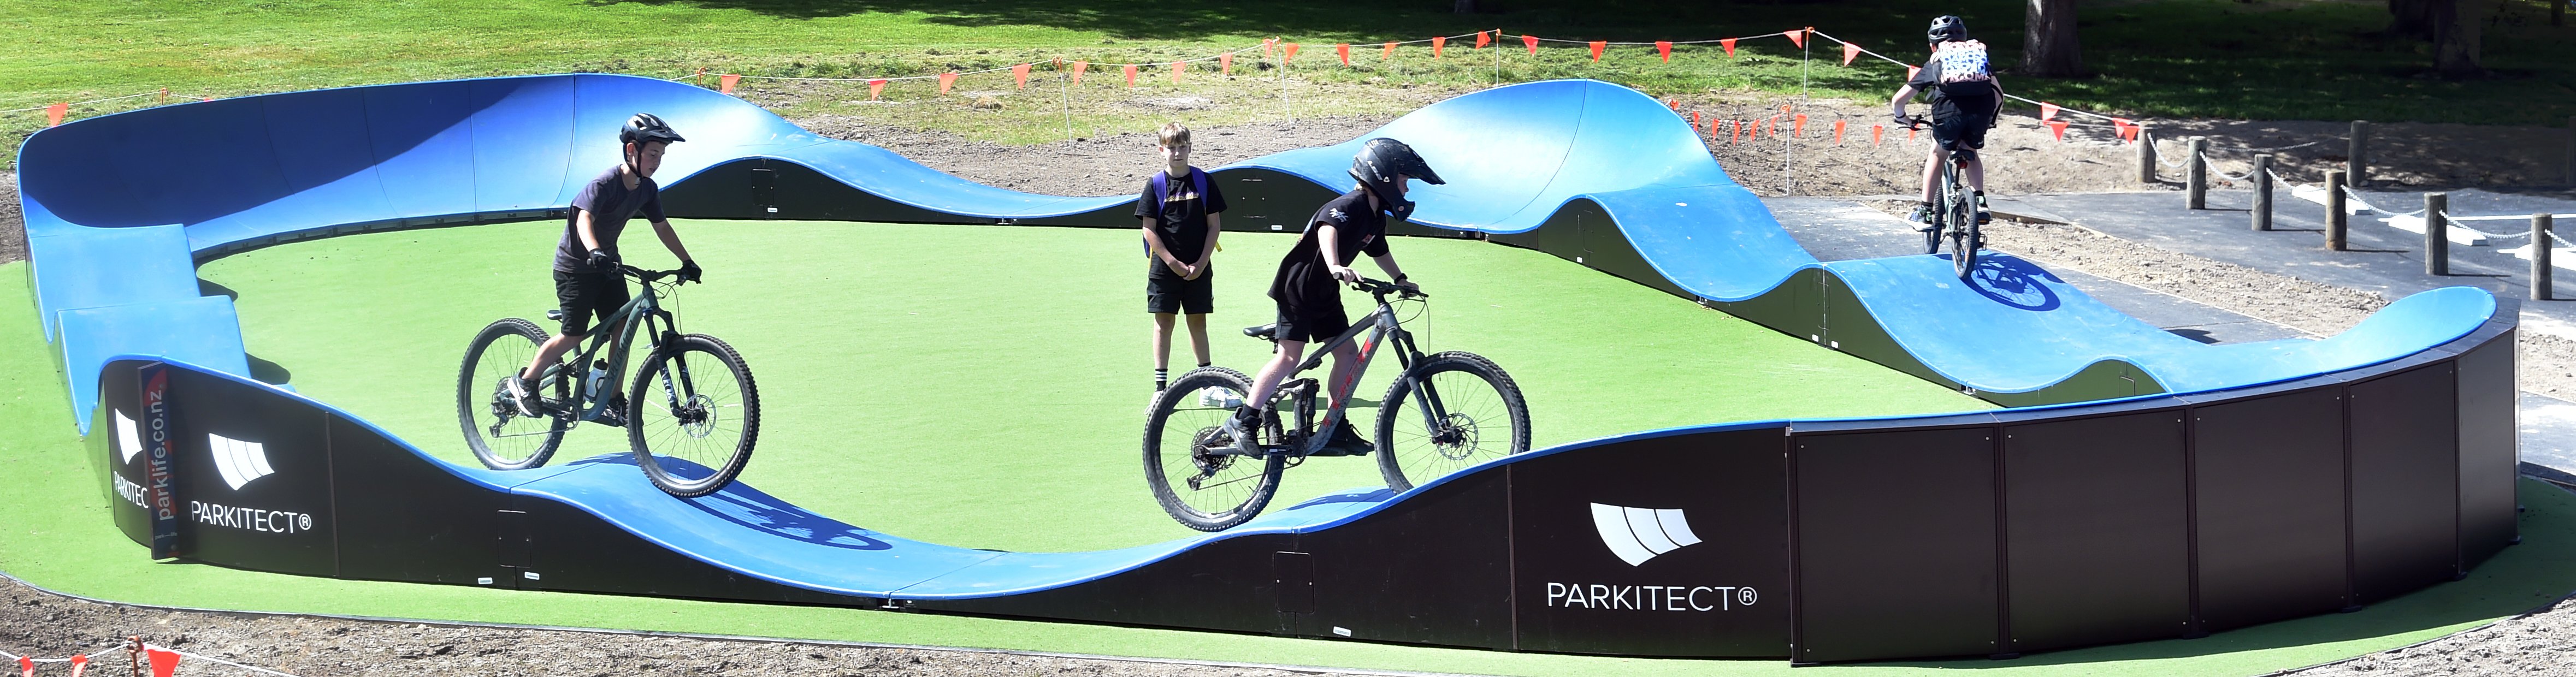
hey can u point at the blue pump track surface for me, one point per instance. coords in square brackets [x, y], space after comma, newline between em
[120, 208]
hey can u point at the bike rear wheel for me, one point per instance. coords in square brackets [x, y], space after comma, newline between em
[500, 437]
[1202, 490]
[1471, 412]
[1959, 208]
[693, 416]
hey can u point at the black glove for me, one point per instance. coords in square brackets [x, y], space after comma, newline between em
[603, 260]
[689, 271]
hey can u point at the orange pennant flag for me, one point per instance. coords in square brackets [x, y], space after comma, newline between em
[2047, 111]
[1911, 71]
[1483, 37]
[54, 113]
[1838, 132]
[725, 84]
[875, 88]
[2057, 128]
[1177, 67]
[1850, 52]
[1532, 42]
[1736, 131]
[1798, 38]
[80, 664]
[1874, 132]
[1729, 44]
[1078, 68]
[1596, 49]
[164, 663]
[945, 81]
[1756, 132]
[1675, 104]
[1694, 119]
[1909, 133]
[1131, 73]
[1665, 48]
[1287, 52]
[1800, 128]
[1437, 43]
[1345, 50]
[1390, 51]
[2127, 128]
[1712, 126]
[1020, 74]
[1265, 45]
[1225, 64]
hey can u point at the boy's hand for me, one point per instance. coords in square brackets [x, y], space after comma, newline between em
[1345, 274]
[689, 271]
[603, 261]
[1178, 268]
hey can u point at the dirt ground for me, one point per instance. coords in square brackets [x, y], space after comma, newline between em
[2023, 157]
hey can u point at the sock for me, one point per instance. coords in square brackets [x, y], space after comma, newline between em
[1161, 376]
[1203, 365]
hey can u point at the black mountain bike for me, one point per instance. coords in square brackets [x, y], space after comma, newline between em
[1954, 214]
[1446, 412]
[692, 414]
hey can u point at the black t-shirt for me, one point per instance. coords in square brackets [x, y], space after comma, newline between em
[1181, 220]
[1972, 98]
[1357, 229]
[610, 204]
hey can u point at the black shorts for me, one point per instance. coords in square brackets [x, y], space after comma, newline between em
[1312, 325]
[1964, 129]
[583, 296]
[1171, 294]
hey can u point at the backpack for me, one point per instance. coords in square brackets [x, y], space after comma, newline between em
[1162, 189]
[1963, 61]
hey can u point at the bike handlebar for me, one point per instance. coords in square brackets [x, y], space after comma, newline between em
[1381, 289]
[642, 275]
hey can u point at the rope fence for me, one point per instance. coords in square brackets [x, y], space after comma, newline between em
[141, 658]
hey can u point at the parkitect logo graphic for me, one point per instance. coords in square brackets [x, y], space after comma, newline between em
[131, 442]
[240, 462]
[1640, 534]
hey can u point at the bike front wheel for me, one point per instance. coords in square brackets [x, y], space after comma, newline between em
[693, 415]
[500, 437]
[1451, 411]
[1188, 458]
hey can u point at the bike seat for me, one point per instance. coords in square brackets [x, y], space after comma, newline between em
[554, 314]
[1267, 332]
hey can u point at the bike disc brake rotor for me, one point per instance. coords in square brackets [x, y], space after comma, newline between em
[697, 416]
[1209, 464]
[1456, 438]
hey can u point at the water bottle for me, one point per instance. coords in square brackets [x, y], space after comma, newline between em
[597, 380]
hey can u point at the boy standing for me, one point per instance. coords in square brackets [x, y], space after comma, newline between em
[587, 283]
[1179, 211]
[1966, 99]
[1306, 287]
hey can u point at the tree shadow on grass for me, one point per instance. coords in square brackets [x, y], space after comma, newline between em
[1354, 19]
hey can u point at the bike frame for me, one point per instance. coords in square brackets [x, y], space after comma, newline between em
[647, 308]
[1381, 327]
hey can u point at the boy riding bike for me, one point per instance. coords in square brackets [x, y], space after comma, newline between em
[1307, 285]
[587, 284]
[1966, 99]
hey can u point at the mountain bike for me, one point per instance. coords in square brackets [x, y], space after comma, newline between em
[1954, 214]
[1446, 411]
[691, 415]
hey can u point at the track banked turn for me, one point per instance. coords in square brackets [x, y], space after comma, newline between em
[119, 208]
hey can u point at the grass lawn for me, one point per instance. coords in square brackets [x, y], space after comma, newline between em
[2267, 59]
[984, 387]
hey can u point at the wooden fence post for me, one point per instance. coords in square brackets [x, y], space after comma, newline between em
[2334, 210]
[2195, 187]
[2540, 246]
[2437, 234]
[2262, 176]
[2356, 163]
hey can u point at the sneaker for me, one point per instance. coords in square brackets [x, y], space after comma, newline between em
[1983, 216]
[522, 394]
[1922, 218]
[1344, 442]
[1220, 398]
[1245, 427]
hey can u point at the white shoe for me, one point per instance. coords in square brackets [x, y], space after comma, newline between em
[1220, 398]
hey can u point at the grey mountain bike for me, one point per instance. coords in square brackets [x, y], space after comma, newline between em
[1446, 412]
[691, 416]
[1954, 214]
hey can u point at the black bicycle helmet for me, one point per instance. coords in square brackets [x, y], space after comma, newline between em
[647, 127]
[1381, 159]
[1947, 29]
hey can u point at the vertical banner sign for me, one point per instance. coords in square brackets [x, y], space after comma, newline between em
[161, 449]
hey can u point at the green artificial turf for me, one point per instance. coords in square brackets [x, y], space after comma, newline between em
[55, 532]
[985, 387]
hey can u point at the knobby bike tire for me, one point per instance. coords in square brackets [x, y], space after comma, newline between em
[1411, 451]
[500, 351]
[1233, 488]
[693, 427]
[1959, 208]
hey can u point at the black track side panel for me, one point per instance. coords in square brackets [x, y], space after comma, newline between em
[1269, 201]
[1434, 569]
[1604, 247]
[2103, 380]
[2487, 452]
[1896, 544]
[279, 521]
[403, 519]
[1229, 585]
[572, 550]
[1796, 307]
[1726, 595]
[2095, 518]
[2268, 479]
[118, 393]
[736, 190]
[1851, 329]
[2405, 489]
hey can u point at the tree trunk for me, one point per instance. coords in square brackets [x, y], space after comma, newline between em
[1463, 7]
[2048, 46]
[2456, 33]
[2412, 18]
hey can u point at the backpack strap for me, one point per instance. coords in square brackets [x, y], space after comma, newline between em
[1162, 185]
[1200, 180]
